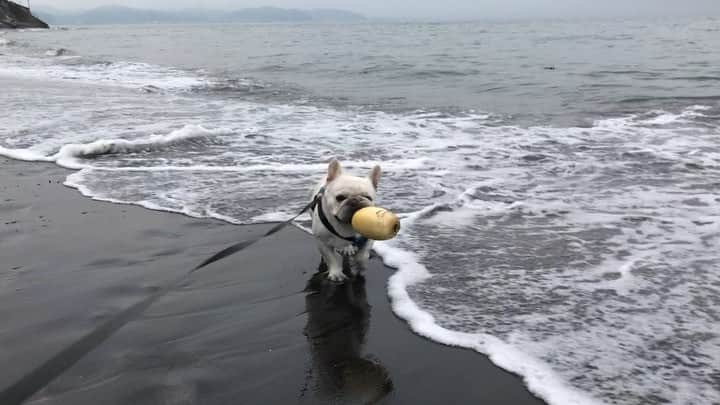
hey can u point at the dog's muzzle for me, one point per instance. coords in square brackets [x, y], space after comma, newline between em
[350, 206]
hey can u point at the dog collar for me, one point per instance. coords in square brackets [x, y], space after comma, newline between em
[357, 241]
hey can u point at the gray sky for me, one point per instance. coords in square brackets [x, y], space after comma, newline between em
[437, 9]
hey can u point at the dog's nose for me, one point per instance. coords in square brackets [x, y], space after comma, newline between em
[351, 206]
[358, 202]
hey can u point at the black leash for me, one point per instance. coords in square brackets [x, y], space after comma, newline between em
[41, 376]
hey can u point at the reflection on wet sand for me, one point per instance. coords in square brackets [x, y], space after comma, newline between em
[338, 321]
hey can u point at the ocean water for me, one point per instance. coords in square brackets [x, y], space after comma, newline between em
[559, 182]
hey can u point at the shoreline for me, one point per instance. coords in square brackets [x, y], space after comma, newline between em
[256, 327]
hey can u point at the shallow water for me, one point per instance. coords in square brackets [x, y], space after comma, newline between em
[563, 221]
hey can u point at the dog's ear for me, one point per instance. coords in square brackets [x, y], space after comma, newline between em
[334, 170]
[375, 176]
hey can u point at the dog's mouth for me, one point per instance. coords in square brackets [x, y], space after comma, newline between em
[349, 207]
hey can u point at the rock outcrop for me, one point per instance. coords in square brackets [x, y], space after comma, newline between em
[13, 15]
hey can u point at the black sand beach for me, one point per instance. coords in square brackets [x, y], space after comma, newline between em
[241, 331]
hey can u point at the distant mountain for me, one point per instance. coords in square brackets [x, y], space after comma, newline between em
[114, 15]
[274, 14]
[330, 14]
[127, 15]
[48, 13]
[269, 14]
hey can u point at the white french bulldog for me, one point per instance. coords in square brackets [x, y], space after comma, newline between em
[343, 195]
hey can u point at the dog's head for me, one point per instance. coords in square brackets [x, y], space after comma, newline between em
[345, 194]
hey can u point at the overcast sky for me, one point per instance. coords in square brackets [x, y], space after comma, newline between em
[438, 9]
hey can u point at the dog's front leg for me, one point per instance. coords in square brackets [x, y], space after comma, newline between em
[334, 262]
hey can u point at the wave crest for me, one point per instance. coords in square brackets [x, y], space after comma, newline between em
[68, 155]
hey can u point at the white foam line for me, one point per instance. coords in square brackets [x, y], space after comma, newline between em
[222, 217]
[410, 217]
[24, 154]
[84, 190]
[68, 154]
[540, 379]
[116, 74]
[287, 168]
[71, 182]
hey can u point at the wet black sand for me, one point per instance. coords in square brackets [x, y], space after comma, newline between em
[251, 329]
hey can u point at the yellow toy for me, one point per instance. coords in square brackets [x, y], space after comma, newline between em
[376, 223]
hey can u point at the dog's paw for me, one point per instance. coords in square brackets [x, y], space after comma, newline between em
[348, 250]
[336, 277]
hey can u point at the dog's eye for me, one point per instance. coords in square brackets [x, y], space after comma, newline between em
[341, 198]
[368, 197]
